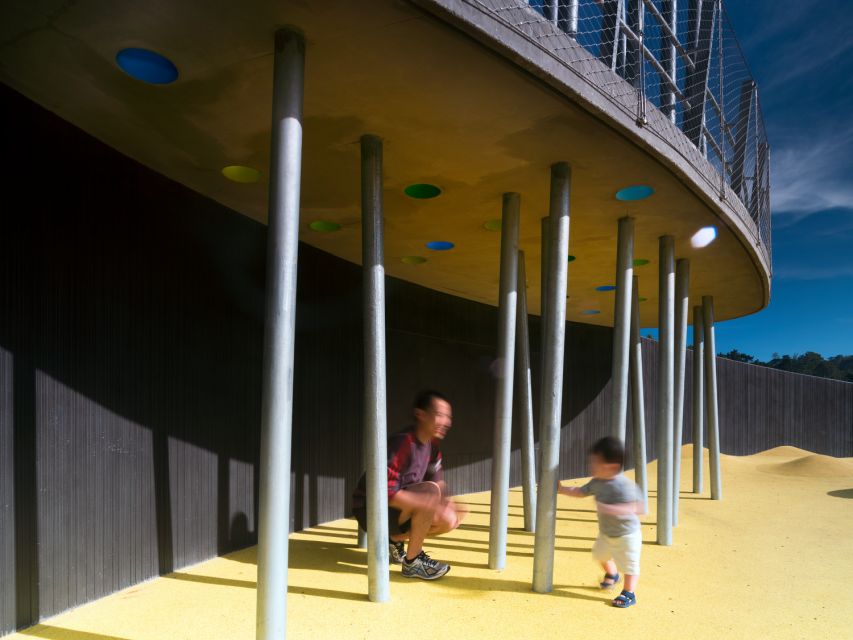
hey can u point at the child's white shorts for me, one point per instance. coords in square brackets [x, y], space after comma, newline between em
[624, 550]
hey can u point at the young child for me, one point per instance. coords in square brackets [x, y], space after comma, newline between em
[618, 501]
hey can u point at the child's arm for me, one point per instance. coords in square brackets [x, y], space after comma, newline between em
[574, 492]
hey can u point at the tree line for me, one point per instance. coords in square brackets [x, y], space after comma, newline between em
[810, 363]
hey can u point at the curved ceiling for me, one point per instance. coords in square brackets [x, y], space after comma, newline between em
[452, 114]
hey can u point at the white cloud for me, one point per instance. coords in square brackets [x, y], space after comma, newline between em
[809, 272]
[811, 174]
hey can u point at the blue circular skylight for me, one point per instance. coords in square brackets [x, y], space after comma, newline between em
[440, 245]
[637, 192]
[605, 287]
[147, 66]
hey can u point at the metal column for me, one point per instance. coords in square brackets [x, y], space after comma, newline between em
[711, 398]
[523, 386]
[638, 404]
[279, 332]
[698, 398]
[551, 412]
[622, 328]
[375, 422]
[666, 366]
[503, 402]
[545, 269]
[682, 311]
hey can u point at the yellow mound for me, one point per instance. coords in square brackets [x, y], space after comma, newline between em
[811, 466]
[783, 452]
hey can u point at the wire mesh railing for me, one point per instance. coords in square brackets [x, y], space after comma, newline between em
[681, 59]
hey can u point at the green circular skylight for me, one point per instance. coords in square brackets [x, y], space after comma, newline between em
[241, 174]
[492, 225]
[642, 299]
[571, 258]
[413, 260]
[324, 226]
[640, 262]
[422, 191]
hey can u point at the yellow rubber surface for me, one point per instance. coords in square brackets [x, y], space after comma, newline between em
[774, 559]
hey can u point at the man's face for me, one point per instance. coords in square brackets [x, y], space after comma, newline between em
[438, 419]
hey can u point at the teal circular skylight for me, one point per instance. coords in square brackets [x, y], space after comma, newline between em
[590, 312]
[422, 191]
[440, 245]
[324, 226]
[146, 65]
[637, 192]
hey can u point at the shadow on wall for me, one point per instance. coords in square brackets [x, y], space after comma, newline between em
[131, 330]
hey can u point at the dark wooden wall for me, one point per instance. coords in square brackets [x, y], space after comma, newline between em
[130, 356]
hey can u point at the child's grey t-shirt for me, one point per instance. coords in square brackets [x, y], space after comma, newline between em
[617, 490]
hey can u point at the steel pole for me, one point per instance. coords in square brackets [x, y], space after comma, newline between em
[711, 406]
[638, 405]
[682, 311]
[525, 400]
[551, 412]
[666, 366]
[375, 420]
[544, 266]
[622, 328]
[507, 301]
[279, 333]
[698, 398]
[543, 322]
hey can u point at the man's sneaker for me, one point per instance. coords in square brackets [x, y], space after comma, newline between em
[424, 567]
[397, 553]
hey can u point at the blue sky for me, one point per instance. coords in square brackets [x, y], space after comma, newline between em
[801, 55]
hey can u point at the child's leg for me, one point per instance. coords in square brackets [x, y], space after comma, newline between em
[631, 582]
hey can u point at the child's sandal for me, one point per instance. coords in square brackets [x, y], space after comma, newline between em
[609, 585]
[624, 600]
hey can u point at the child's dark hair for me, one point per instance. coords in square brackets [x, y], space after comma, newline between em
[424, 399]
[610, 449]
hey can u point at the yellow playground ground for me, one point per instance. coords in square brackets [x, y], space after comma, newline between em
[773, 560]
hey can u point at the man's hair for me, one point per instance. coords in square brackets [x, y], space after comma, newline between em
[610, 449]
[423, 400]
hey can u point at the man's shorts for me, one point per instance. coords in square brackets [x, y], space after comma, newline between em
[395, 527]
[624, 550]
